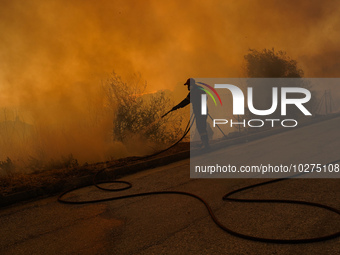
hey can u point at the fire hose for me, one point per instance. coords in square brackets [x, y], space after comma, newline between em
[226, 197]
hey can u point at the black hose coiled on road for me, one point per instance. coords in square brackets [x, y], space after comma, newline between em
[225, 198]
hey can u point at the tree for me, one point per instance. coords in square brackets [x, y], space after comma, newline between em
[271, 64]
[138, 113]
[274, 64]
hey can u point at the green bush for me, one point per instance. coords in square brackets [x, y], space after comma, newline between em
[138, 113]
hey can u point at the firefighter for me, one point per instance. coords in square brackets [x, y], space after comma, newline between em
[201, 120]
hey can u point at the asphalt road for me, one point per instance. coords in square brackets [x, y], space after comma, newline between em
[174, 224]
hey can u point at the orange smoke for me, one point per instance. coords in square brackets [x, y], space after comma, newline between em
[55, 54]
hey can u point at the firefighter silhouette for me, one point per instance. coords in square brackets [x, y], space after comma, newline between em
[201, 120]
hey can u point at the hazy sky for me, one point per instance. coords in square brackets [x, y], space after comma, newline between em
[54, 54]
[57, 43]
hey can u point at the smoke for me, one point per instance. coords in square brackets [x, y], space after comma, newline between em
[54, 55]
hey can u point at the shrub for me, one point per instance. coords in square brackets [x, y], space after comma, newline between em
[138, 113]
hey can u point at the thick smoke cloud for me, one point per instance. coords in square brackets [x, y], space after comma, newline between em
[54, 54]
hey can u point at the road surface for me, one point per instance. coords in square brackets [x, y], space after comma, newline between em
[173, 224]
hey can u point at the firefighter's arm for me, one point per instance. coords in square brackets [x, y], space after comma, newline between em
[182, 104]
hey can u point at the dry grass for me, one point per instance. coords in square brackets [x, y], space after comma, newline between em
[19, 182]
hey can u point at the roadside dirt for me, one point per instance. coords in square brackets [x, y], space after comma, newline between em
[22, 182]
